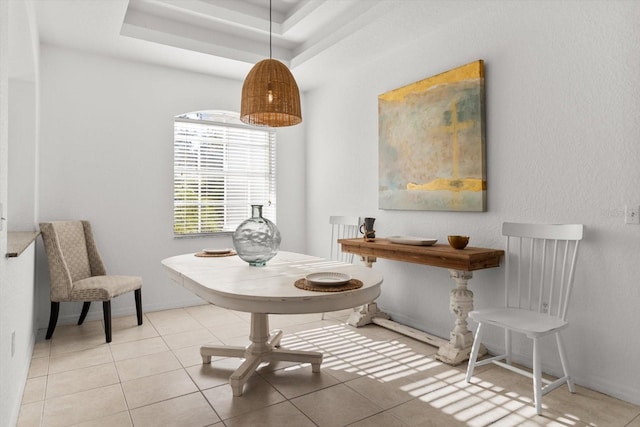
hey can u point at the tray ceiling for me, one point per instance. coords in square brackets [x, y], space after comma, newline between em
[226, 37]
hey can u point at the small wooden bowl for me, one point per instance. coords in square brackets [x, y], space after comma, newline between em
[458, 242]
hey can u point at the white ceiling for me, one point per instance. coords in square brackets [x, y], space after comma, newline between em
[226, 37]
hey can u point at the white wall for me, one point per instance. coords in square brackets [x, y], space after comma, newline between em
[563, 138]
[18, 141]
[562, 146]
[7, 393]
[106, 155]
[18, 335]
[22, 152]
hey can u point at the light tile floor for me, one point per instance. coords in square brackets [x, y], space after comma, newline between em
[152, 375]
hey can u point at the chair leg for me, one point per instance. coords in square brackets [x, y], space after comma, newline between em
[138, 296]
[85, 310]
[565, 363]
[473, 357]
[53, 318]
[507, 345]
[537, 377]
[106, 312]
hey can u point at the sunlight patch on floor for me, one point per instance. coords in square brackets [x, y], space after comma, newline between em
[441, 387]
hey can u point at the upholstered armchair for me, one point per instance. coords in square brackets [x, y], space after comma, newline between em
[77, 273]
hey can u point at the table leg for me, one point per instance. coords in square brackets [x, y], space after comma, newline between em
[263, 348]
[368, 260]
[274, 339]
[454, 351]
[365, 314]
[206, 351]
[241, 375]
[312, 357]
[458, 348]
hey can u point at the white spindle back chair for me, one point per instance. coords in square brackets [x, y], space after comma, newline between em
[342, 227]
[540, 262]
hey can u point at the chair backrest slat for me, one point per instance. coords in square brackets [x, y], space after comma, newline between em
[530, 280]
[572, 271]
[562, 275]
[552, 279]
[507, 271]
[543, 256]
[342, 227]
[519, 272]
[544, 270]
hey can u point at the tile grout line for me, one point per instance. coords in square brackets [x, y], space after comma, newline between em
[368, 342]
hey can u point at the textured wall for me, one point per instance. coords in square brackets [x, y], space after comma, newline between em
[18, 122]
[8, 393]
[562, 146]
[563, 138]
[22, 152]
[106, 155]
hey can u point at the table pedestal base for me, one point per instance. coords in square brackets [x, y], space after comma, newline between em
[366, 314]
[458, 348]
[454, 351]
[455, 356]
[263, 348]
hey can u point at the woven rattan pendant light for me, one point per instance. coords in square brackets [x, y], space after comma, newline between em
[270, 95]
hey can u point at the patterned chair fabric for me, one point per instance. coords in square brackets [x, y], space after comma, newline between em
[77, 272]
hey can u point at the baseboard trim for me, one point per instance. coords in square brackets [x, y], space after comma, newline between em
[96, 314]
[593, 382]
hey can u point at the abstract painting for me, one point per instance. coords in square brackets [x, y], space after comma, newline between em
[431, 143]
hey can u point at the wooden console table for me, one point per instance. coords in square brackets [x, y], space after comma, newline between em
[460, 263]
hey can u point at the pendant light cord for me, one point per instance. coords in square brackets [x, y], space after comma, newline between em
[270, 24]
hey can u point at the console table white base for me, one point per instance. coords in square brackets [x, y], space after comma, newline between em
[263, 348]
[453, 351]
[460, 264]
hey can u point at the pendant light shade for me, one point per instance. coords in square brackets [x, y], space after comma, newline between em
[270, 96]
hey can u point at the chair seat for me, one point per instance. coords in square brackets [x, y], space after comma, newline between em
[104, 288]
[531, 323]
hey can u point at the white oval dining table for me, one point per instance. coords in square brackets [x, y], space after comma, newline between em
[229, 282]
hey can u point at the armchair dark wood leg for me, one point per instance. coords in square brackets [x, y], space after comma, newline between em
[53, 318]
[138, 296]
[85, 310]
[106, 312]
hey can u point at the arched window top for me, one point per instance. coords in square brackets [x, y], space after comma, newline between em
[219, 116]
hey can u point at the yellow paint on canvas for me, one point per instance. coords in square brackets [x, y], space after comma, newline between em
[473, 70]
[453, 129]
[454, 185]
[431, 143]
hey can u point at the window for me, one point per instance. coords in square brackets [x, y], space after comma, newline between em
[221, 166]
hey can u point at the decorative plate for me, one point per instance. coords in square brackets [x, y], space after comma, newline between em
[328, 278]
[217, 251]
[410, 240]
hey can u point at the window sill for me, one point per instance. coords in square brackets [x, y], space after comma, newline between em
[199, 235]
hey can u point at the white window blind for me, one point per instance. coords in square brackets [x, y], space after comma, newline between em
[221, 168]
